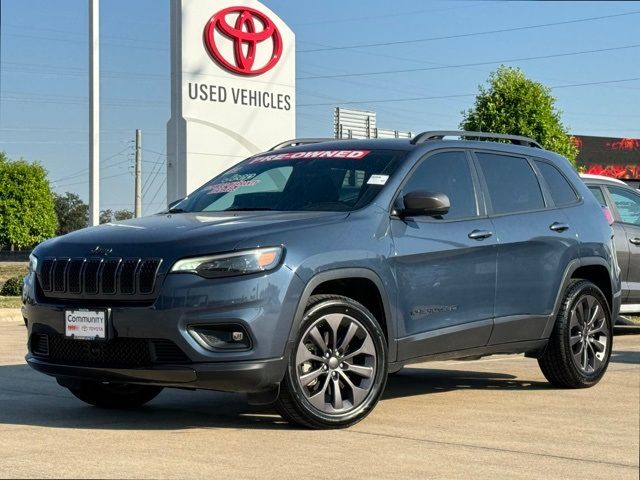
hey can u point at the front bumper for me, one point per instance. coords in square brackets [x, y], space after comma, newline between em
[248, 377]
[264, 305]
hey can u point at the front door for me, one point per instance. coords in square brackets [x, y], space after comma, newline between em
[445, 267]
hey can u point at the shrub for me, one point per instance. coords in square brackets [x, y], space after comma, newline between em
[12, 287]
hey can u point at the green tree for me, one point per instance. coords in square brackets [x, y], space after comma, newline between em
[106, 216]
[120, 215]
[513, 104]
[109, 215]
[27, 215]
[72, 213]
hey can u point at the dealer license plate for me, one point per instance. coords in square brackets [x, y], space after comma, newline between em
[85, 324]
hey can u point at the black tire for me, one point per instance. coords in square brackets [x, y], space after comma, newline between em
[293, 403]
[563, 360]
[114, 395]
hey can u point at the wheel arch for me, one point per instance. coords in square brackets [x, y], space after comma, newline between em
[594, 269]
[354, 283]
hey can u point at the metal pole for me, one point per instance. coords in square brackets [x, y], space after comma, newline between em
[94, 112]
[138, 204]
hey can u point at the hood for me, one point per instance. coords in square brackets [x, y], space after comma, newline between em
[178, 235]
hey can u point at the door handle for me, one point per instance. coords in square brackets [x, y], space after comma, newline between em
[559, 227]
[480, 234]
[635, 241]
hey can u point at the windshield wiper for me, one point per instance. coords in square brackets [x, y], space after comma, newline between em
[176, 210]
[249, 209]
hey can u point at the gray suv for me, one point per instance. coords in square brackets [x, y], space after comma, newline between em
[303, 276]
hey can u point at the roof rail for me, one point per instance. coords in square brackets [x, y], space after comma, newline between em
[439, 135]
[300, 141]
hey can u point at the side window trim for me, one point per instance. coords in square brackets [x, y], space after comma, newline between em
[546, 190]
[485, 188]
[547, 197]
[481, 211]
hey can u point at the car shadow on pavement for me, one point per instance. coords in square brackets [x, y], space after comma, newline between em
[626, 356]
[423, 381]
[31, 399]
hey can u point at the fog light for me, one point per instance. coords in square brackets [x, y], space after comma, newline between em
[221, 337]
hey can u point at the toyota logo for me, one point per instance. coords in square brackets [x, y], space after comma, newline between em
[252, 31]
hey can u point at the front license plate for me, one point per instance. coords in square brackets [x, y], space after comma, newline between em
[85, 324]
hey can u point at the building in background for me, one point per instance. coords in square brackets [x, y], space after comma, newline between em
[348, 123]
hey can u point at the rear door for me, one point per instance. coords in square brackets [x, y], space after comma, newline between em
[535, 242]
[627, 212]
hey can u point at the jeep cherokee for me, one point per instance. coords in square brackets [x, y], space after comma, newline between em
[303, 276]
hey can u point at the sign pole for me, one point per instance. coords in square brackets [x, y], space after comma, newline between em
[94, 112]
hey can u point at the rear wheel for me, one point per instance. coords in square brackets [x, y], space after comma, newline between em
[338, 367]
[579, 349]
[114, 395]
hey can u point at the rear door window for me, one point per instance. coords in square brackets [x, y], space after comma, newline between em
[512, 184]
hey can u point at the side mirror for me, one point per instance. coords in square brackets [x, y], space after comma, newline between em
[174, 203]
[421, 203]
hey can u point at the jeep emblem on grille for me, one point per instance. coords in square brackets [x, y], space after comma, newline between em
[104, 251]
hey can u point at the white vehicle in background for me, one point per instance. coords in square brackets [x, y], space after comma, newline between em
[623, 201]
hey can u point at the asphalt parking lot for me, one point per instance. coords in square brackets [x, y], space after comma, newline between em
[493, 418]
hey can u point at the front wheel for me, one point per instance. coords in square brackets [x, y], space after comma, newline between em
[580, 346]
[338, 367]
[114, 395]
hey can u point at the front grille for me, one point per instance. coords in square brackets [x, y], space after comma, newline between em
[165, 351]
[97, 276]
[116, 353]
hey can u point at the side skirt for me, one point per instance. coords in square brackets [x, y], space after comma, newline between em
[532, 348]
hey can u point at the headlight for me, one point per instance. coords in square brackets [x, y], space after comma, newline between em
[231, 264]
[33, 263]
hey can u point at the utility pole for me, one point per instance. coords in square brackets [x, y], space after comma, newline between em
[138, 203]
[94, 112]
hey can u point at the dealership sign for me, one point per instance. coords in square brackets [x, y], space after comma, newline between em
[232, 87]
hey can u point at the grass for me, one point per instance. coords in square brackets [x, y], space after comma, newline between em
[11, 269]
[10, 302]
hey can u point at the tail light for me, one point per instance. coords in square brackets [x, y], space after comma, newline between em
[608, 215]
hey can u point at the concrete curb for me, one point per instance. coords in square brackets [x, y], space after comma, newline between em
[10, 315]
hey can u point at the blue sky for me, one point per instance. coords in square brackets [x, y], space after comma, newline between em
[43, 88]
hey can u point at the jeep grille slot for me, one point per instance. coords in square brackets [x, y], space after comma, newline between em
[82, 277]
[147, 275]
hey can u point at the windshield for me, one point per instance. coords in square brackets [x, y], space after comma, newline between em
[329, 180]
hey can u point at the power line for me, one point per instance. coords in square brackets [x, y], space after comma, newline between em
[438, 97]
[471, 34]
[84, 182]
[82, 172]
[392, 15]
[75, 42]
[475, 64]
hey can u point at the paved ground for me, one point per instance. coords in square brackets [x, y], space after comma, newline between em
[494, 418]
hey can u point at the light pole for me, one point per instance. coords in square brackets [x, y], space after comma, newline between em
[94, 112]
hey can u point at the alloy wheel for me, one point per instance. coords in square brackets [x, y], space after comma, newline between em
[589, 334]
[336, 363]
